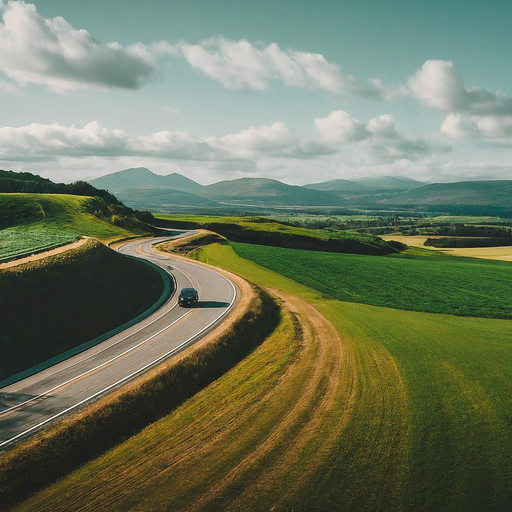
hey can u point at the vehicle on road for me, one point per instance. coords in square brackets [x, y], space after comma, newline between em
[188, 297]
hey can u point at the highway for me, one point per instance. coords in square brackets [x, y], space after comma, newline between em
[32, 403]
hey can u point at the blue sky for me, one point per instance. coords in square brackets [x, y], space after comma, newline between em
[297, 91]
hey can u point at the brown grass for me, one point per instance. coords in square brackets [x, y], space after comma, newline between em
[184, 246]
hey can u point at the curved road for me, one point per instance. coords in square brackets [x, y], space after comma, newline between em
[29, 405]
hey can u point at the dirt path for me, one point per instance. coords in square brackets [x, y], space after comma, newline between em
[45, 254]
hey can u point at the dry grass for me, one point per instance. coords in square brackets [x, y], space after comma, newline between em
[184, 246]
[488, 253]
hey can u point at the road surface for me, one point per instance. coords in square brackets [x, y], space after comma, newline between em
[31, 404]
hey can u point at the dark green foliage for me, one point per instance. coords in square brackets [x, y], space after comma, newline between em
[468, 242]
[69, 299]
[85, 439]
[462, 230]
[25, 182]
[457, 286]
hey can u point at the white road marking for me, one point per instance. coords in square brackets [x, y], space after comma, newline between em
[124, 379]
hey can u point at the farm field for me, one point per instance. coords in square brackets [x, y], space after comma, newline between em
[442, 284]
[488, 253]
[396, 410]
[16, 244]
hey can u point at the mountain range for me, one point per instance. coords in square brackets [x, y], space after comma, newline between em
[141, 188]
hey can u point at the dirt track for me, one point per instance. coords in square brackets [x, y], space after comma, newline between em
[45, 254]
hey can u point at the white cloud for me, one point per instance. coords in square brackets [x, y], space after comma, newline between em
[383, 126]
[342, 137]
[377, 141]
[37, 50]
[496, 128]
[39, 140]
[437, 85]
[240, 64]
[340, 128]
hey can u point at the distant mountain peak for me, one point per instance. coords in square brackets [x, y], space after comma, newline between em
[141, 178]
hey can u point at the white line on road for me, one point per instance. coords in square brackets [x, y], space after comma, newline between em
[124, 379]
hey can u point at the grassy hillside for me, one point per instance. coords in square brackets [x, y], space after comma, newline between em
[54, 304]
[442, 284]
[81, 215]
[267, 232]
[405, 411]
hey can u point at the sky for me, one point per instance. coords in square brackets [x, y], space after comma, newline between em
[298, 91]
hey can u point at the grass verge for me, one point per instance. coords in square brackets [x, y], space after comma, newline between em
[54, 453]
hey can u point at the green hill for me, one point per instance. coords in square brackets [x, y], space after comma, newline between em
[26, 182]
[90, 216]
[141, 178]
[343, 186]
[390, 183]
[268, 192]
[468, 193]
[161, 199]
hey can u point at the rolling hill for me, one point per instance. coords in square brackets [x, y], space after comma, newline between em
[390, 183]
[140, 178]
[140, 188]
[474, 193]
[367, 185]
[90, 216]
[342, 186]
[267, 191]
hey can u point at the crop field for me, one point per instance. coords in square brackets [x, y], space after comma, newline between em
[443, 284]
[16, 244]
[488, 253]
[394, 410]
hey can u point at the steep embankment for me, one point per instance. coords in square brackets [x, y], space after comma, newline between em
[54, 304]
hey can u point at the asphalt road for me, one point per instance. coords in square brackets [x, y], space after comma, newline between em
[32, 403]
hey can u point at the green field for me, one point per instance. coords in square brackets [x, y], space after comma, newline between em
[63, 213]
[16, 244]
[442, 284]
[406, 411]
